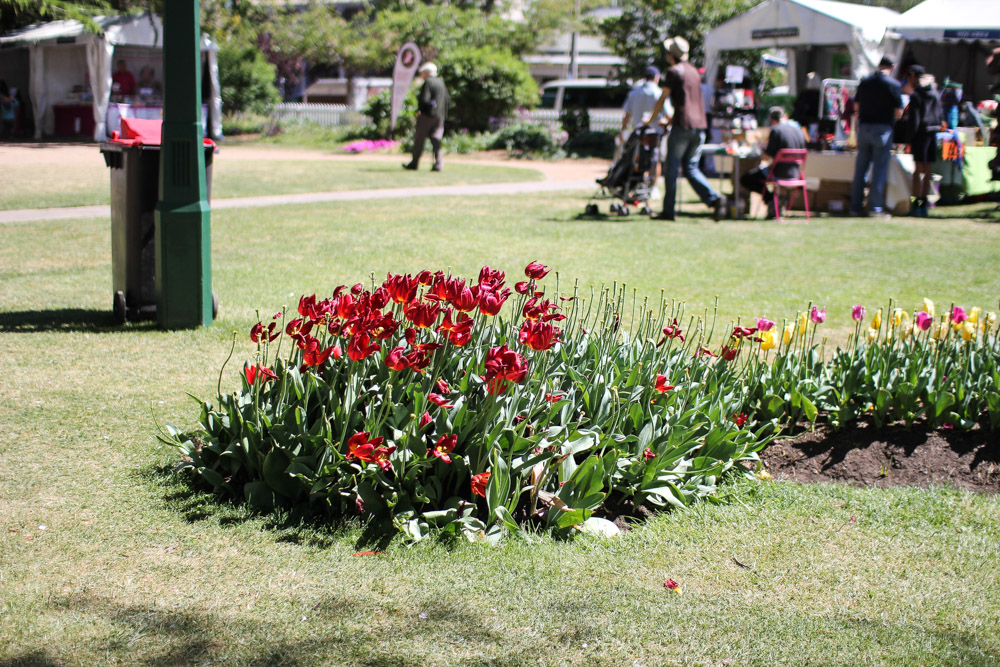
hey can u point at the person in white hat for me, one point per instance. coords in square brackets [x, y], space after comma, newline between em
[681, 84]
[432, 105]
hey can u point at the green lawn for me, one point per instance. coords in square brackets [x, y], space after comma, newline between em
[131, 568]
[42, 186]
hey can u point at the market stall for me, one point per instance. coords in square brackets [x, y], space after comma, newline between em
[73, 75]
[834, 39]
[952, 39]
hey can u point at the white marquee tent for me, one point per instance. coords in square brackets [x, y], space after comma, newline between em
[62, 55]
[814, 29]
[951, 38]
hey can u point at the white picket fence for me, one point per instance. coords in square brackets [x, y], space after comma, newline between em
[328, 115]
[599, 120]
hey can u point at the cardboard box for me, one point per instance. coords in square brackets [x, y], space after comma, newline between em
[832, 197]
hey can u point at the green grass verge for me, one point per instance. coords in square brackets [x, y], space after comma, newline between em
[132, 568]
[44, 186]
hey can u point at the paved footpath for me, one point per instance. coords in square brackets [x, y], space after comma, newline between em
[104, 211]
[558, 175]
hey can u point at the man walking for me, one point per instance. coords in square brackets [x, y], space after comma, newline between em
[783, 135]
[682, 85]
[641, 100]
[432, 106]
[879, 105]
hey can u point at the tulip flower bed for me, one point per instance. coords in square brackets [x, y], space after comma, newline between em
[418, 407]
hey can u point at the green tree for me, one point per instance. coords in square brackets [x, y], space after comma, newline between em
[485, 83]
[246, 79]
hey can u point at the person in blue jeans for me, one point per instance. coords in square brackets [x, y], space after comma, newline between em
[682, 85]
[879, 105]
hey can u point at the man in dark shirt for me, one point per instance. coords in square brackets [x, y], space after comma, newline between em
[879, 106]
[682, 85]
[432, 106]
[783, 135]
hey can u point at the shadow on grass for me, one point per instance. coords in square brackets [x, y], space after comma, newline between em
[336, 629]
[296, 526]
[66, 320]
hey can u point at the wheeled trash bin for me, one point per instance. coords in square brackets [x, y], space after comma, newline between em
[133, 156]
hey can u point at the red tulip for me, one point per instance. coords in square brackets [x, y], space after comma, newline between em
[443, 387]
[444, 447]
[536, 271]
[361, 448]
[505, 364]
[381, 457]
[705, 352]
[490, 303]
[479, 483]
[401, 288]
[491, 279]
[422, 313]
[425, 419]
[425, 278]
[440, 401]
[464, 298]
[672, 331]
[259, 334]
[743, 332]
[539, 336]
[252, 372]
[314, 356]
[648, 454]
[395, 359]
[661, 384]
[359, 348]
[740, 419]
[730, 353]
[524, 287]
[552, 398]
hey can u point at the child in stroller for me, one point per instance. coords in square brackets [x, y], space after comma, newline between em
[631, 178]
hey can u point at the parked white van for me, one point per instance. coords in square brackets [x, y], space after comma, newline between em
[590, 94]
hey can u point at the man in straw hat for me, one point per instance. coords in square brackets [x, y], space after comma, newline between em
[682, 86]
[432, 106]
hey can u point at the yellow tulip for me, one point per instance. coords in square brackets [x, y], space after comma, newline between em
[768, 339]
[974, 314]
[898, 315]
[803, 322]
[871, 334]
[968, 330]
[877, 320]
[905, 330]
[939, 331]
[928, 307]
[786, 337]
[991, 319]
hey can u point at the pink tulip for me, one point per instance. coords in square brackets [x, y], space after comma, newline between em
[764, 324]
[818, 315]
[858, 313]
[924, 321]
[958, 315]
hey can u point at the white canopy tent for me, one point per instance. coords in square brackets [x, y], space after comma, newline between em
[63, 54]
[951, 38]
[814, 29]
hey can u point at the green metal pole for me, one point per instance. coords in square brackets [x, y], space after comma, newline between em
[183, 230]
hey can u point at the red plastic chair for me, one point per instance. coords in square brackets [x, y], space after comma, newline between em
[788, 156]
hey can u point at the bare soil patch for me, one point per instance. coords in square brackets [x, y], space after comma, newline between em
[864, 456]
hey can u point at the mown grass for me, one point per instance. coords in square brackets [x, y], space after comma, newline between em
[36, 185]
[134, 568]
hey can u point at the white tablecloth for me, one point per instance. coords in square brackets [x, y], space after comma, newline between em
[118, 110]
[834, 166]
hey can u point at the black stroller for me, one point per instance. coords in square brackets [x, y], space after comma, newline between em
[630, 178]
